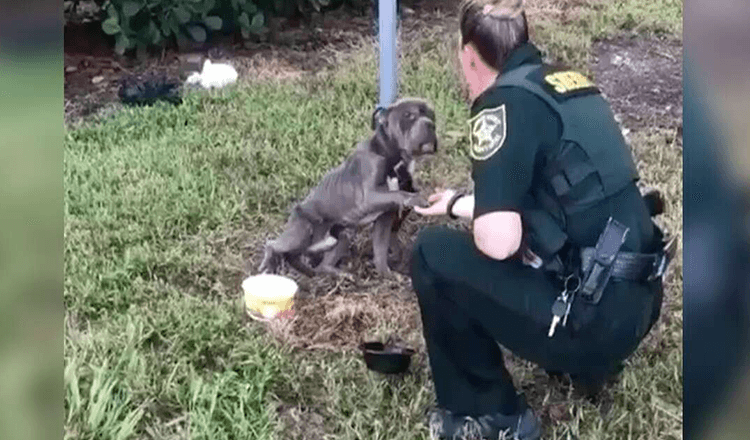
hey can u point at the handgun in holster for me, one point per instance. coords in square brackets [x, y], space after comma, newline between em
[598, 271]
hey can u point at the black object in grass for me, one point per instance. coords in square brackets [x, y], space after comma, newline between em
[387, 359]
[147, 91]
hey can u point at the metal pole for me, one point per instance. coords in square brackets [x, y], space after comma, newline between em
[388, 25]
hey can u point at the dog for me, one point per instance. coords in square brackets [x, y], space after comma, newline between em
[372, 186]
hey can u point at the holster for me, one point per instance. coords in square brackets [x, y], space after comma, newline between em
[597, 272]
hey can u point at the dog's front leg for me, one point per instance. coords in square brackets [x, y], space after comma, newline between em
[396, 244]
[384, 200]
[381, 241]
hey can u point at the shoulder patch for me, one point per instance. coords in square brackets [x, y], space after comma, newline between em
[487, 132]
[569, 83]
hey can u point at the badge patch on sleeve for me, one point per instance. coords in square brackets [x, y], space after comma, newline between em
[487, 133]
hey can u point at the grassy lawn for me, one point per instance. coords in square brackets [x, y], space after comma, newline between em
[162, 203]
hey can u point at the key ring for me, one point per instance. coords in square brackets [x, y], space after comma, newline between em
[572, 288]
[577, 284]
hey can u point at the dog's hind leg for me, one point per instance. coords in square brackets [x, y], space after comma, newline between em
[333, 256]
[294, 240]
[270, 261]
[324, 245]
[295, 260]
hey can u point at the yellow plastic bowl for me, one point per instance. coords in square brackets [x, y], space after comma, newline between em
[267, 295]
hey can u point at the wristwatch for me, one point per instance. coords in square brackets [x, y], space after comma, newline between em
[452, 202]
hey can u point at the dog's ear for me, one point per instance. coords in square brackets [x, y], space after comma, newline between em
[379, 117]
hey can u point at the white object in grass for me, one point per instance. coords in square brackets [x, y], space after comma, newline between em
[269, 294]
[213, 75]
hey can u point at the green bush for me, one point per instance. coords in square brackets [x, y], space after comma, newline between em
[146, 23]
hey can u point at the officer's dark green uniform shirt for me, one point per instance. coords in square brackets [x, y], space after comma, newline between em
[505, 170]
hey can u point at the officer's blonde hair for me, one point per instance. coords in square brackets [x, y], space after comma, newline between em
[494, 27]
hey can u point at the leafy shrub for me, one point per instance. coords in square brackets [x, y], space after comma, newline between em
[143, 23]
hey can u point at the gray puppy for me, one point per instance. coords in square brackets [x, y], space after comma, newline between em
[372, 186]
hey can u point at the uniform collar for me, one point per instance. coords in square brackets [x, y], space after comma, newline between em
[524, 54]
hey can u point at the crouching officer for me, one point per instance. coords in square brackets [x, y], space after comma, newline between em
[563, 264]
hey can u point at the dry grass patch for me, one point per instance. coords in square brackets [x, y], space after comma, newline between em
[342, 322]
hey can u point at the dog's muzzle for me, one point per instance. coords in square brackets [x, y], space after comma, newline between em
[430, 143]
[429, 147]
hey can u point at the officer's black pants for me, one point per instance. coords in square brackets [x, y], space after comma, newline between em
[469, 303]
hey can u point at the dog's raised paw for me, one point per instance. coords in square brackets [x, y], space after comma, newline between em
[416, 200]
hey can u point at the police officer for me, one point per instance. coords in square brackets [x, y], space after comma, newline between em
[563, 264]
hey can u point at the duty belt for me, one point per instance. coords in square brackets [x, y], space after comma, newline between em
[597, 266]
[606, 261]
[634, 266]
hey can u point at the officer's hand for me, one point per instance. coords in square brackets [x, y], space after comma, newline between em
[439, 201]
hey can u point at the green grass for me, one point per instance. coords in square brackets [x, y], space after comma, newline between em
[160, 203]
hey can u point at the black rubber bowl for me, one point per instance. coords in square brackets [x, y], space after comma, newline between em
[386, 359]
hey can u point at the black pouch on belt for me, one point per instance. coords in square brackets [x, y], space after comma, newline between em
[599, 270]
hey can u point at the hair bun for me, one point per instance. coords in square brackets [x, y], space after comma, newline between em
[504, 9]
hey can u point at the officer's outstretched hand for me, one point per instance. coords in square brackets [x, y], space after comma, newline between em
[439, 200]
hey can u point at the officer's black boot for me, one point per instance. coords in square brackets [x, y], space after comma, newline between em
[591, 385]
[524, 425]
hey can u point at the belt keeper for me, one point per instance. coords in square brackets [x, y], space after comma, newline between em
[660, 266]
[662, 261]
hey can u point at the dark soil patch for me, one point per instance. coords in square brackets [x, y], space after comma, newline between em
[642, 79]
